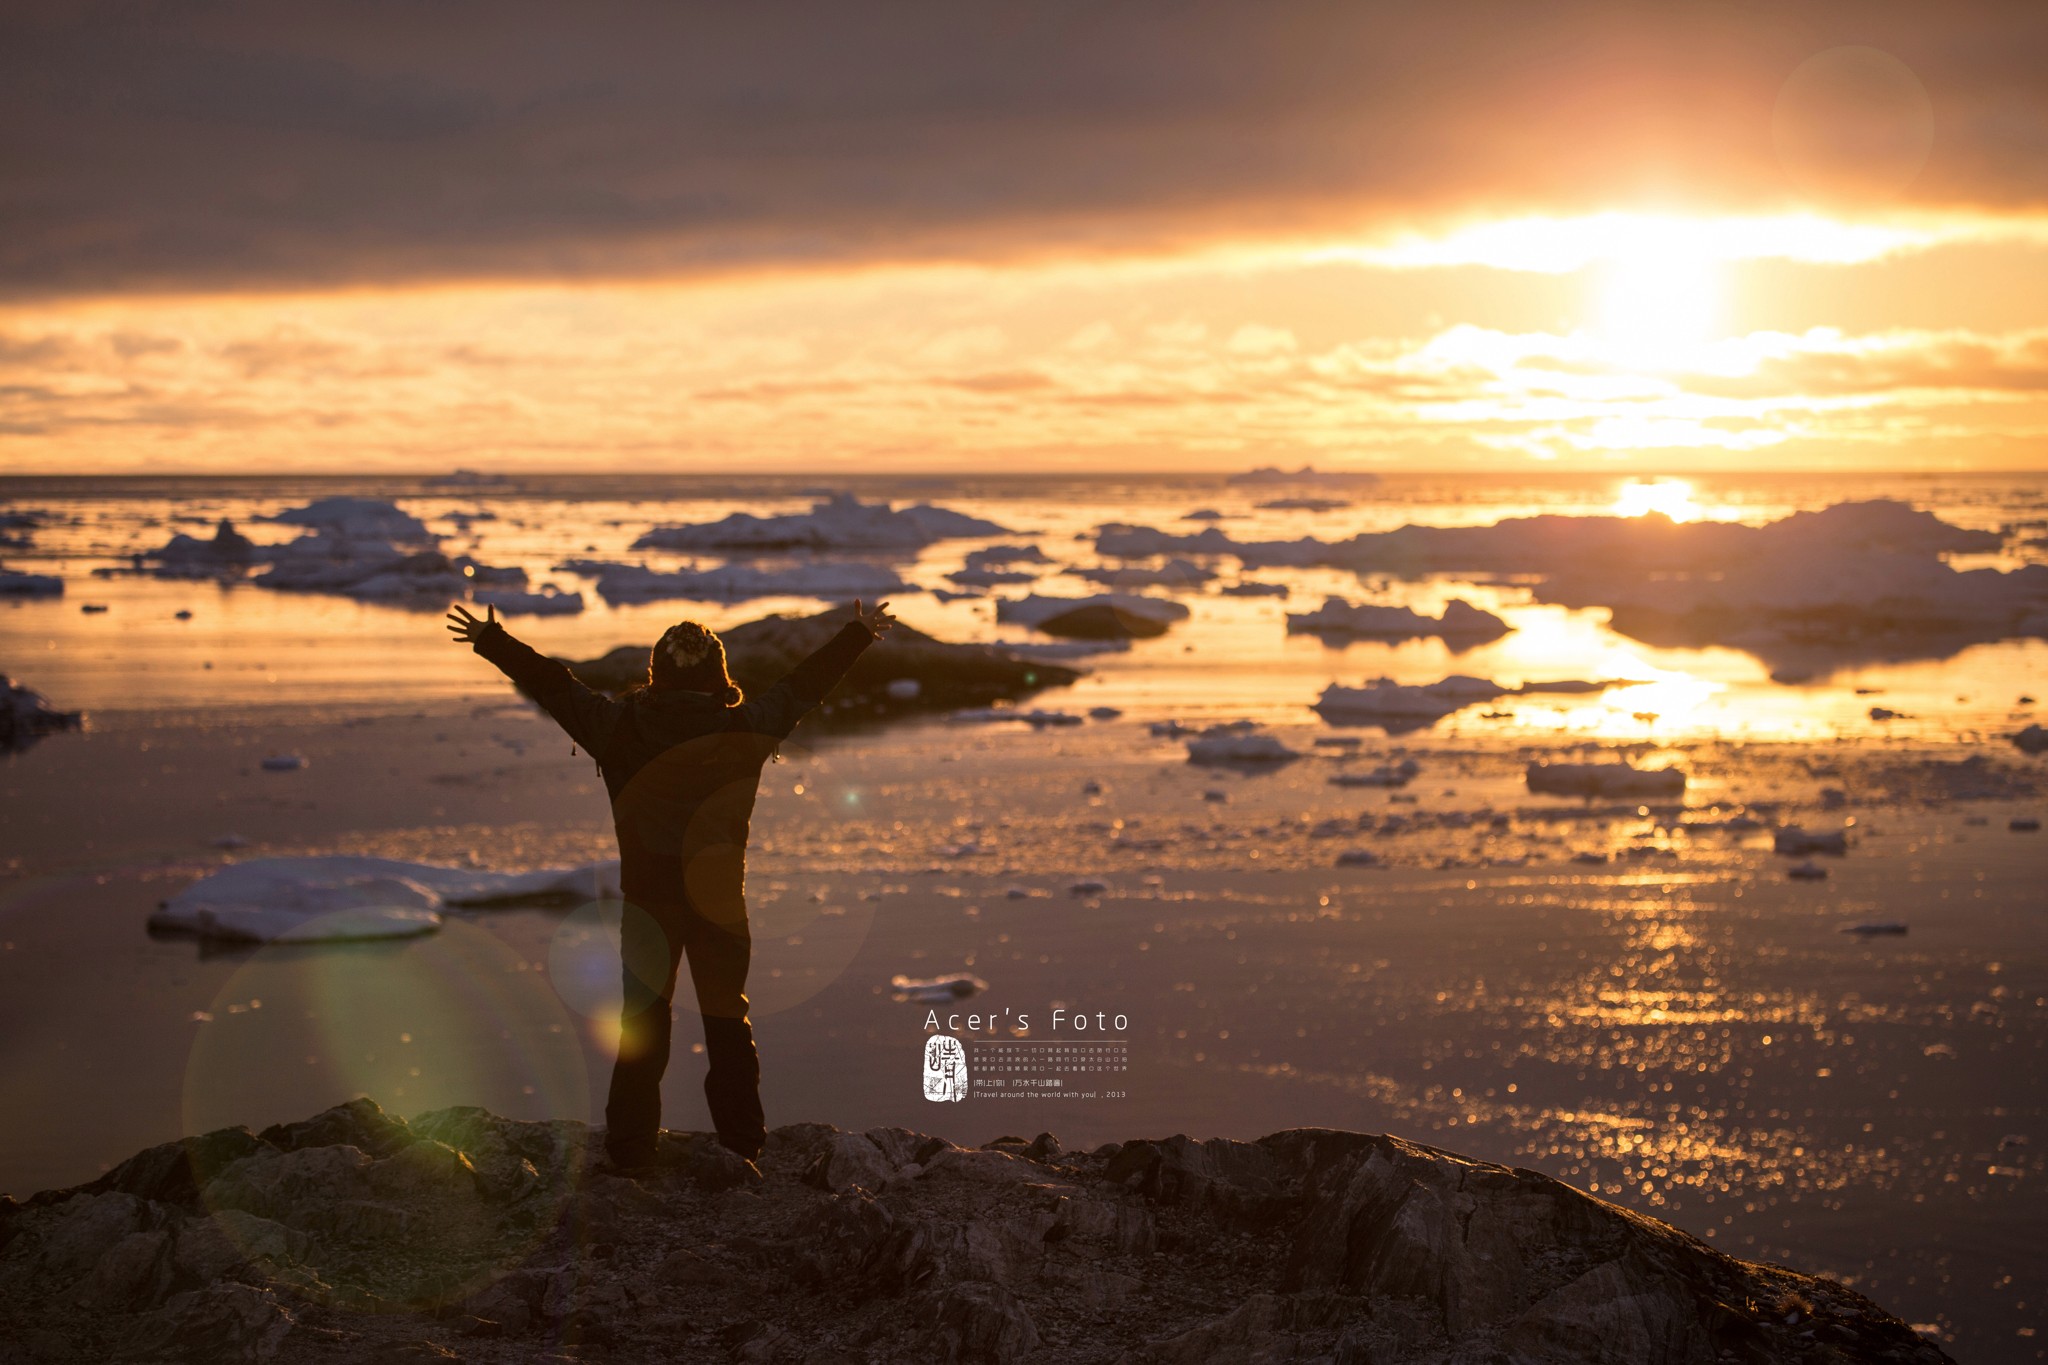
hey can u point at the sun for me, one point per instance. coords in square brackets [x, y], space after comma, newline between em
[1659, 297]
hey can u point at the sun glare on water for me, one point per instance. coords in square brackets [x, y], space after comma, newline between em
[1672, 497]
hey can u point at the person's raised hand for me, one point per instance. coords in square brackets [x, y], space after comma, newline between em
[467, 628]
[877, 621]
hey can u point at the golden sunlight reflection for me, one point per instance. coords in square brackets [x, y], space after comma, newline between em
[1672, 498]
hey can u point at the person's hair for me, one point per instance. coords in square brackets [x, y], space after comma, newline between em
[690, 658]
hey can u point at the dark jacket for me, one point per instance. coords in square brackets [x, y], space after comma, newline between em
[682, 767]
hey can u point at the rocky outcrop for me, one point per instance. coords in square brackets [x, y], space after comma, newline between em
[907, 672]
[359, 1236]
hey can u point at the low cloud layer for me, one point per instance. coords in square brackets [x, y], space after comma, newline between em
[203, 146]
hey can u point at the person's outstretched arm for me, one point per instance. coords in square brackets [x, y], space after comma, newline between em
[776, 711]
[585, 714]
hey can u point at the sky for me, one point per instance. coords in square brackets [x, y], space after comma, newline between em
[1653, 237]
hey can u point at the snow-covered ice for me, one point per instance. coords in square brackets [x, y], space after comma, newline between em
[826, 580]
[1339, 617]
[325, 897]
[841, 522]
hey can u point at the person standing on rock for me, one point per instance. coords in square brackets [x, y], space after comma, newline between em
[681, 757]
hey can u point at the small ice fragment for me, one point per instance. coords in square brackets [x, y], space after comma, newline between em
[184, 614]
[1017, 893]
[230, 841]
[1797, 843]
[92, 608]
[1216, 794]
[1168, 729]
[903, 689]
[1358, 857]
[1389, 775]
[1808, 871]
[1338, 742]
[936, 990]
[1091, 788]
[2025, 824]
[1604, 779]
[990, 715]
[1103, 713]
[2032, 740]
[1589, 856]
[1876, 926]
[1886, 713]
[284, 763]
[1087, 886]
[1223, 746]
[2012, 1140]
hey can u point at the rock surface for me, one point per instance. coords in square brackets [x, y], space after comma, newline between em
[948, 676]
[359, 1236]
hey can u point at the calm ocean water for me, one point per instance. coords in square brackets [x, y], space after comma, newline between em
[246, 646]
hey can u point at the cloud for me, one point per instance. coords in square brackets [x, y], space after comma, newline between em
[275, 145]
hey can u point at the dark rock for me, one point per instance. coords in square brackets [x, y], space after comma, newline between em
[359, 1123]
[1308, 1245]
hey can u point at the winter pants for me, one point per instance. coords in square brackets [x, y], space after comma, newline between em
[657, 938]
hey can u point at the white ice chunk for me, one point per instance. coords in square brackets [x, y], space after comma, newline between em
[936, 990]
[1384, 699]
[1038, 608]
[358, 518]
[825, 580]
[308, 899]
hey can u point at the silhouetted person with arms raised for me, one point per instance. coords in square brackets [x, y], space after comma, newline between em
[681, 757]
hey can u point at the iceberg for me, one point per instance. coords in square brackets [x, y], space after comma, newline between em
[825, 580]
[14, 583]
[1267, 475]
[840, 522]
[549, 601]
[359, 519]
[337, 897]
[1175, 573]
[1460, 620]
[1102, 616]
[1383, 701]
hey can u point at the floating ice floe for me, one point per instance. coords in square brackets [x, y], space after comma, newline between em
[1358, 857]
[1229, 745]
[841, 522]
[1105, 615]
[315, 899]
[226, 551]
[1251, 587]
[1087, 886]
[1268, 475]
[1202, 514]
[2032, 740]
[1175, 573]
[1000, 556]
[996, 715]
[823, 579]
[1303, 505]
[1460, 620]
[1853, 580]
[284, 763]
[2023, 824]
[1391, 775]
[1619, 779]
[1794, 842]
[27, 716]
[549, 601]
[15, 583]
[936, 990]
[991, 578]
[1104, 712]
[358, 519]
[1807, 871]
[1876, 926]
[1382, 700]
